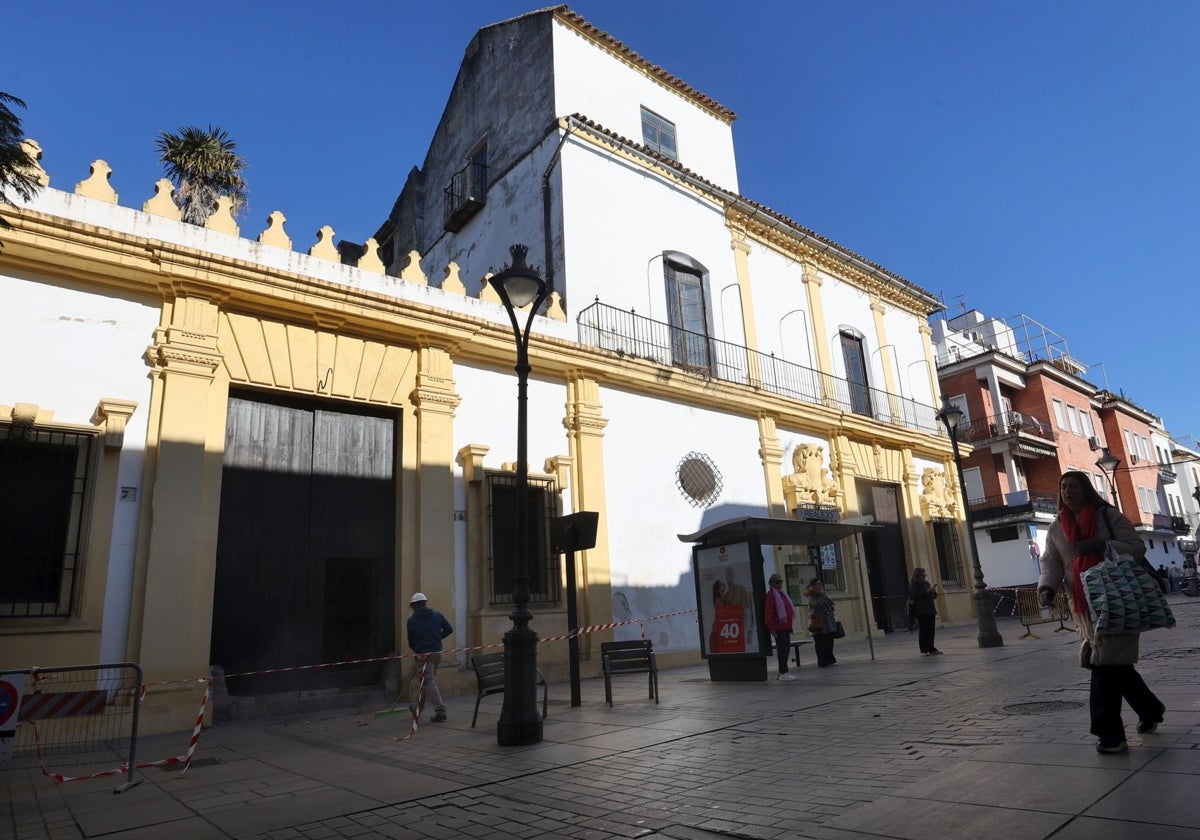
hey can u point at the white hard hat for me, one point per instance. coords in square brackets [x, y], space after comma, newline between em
[419, 596]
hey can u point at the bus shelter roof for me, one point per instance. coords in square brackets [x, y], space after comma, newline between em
[778, 531]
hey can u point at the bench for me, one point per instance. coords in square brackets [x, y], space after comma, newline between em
[631, 657]
[796, 645]
[489, 679]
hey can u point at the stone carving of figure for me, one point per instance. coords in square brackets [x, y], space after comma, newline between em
[934, 497]
[810, 483]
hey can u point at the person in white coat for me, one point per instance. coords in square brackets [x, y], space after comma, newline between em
[1075, 543]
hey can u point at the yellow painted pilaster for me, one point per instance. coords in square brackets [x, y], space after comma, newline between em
[741, 265]
[585, 430]
[812, 289]
[886, 360]
[930, 366]
[171, 626]
[771, 454]
[435, 400]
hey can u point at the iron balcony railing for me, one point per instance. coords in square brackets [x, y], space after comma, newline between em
[633, 335]
[1006, 504]
[1007, 424]
[465, 196]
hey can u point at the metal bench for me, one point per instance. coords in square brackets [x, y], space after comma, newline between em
[632, 657]
[489, 679]
[795, 646]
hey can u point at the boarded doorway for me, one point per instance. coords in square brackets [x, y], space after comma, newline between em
[305, 545]
[883, 549]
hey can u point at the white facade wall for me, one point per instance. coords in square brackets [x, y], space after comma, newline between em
[781, 315]
[90, 346]
[848, 306]
[589, 81]
[911, 368]
[643, 444]
[618, 220]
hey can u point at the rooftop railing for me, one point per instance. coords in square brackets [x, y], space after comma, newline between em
[635, 336]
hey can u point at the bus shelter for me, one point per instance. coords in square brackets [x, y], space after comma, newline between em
[728, 560]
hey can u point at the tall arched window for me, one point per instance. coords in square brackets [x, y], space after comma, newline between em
[856, 373]
[687, 313]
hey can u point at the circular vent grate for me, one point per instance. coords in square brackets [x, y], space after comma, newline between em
[698, 478]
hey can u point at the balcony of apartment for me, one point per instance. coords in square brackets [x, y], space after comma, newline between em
[1024, 435]
[1018, 503]
[1173, 524]
[631, 335]
[465, 196]
[1166, 473]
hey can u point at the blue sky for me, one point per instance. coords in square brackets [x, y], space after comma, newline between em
[1013, 157]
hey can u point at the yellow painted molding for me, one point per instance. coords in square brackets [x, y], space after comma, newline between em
[451, 281]
[96, 184]
[32, 148]
[324, 248]
[488, 292]
[274, 233]
[470, 458]
[222, 218]
[369, 261]
[162, 203]
[411, 271]
[554, 308]
[559, 466]
[112, 415]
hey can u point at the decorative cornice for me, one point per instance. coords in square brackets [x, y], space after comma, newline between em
[470, 458]
[112, 415]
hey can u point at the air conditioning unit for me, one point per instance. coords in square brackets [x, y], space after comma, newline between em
[1133, 459]
[1094, 443]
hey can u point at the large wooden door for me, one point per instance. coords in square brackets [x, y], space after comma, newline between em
[305, 545]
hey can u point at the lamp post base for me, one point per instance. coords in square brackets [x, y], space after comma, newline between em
[520, 723]
[989, 636]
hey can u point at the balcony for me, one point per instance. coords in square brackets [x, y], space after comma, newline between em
[1011, 504]
[1180, 526]
[1166, 473]
[634, 336]
[1025, 435]
[465, 196]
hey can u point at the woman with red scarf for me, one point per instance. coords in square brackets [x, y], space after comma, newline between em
[1076, 542]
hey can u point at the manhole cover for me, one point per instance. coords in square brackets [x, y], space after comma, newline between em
[1041, 708]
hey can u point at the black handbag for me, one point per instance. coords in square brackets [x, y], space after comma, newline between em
[839, 632]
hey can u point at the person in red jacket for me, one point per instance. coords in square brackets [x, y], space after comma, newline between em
[779, 613]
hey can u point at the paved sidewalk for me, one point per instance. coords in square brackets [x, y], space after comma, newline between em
[974, 744]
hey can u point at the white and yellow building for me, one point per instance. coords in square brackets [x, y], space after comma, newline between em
[236, 451]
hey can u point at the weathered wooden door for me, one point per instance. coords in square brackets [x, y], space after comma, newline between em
[305, 545]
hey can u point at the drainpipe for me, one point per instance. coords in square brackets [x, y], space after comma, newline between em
[546, 232]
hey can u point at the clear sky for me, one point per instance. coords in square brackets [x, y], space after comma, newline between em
[1037, 158]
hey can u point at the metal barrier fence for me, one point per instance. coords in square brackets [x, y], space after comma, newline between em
[81, 720]
[1031, 612]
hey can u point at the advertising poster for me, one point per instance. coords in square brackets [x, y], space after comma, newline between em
[728, 618]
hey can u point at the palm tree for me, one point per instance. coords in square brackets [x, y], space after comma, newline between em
[16, 164]
[203, 165]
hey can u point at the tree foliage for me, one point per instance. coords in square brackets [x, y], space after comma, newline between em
[203, 164]
[17, 166]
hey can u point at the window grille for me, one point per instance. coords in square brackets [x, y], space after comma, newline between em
[44, 476]
[502, 513]
[949, 552]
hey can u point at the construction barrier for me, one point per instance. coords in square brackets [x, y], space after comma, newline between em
[76, 718]
[1031, 612]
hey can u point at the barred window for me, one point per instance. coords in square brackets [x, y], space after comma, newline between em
[541, 507]
[44, 476]
[949, 553]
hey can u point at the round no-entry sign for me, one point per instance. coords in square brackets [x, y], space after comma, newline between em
[11, 688]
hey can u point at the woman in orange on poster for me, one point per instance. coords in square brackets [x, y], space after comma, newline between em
[728, 634]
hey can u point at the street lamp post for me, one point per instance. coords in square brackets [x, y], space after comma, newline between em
[520, 285]
[989, 636]
[1108, 464]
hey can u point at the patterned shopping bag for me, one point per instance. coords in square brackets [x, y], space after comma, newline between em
[1123, 597]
